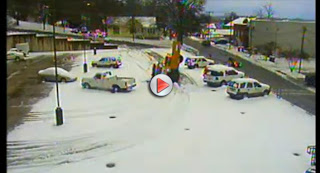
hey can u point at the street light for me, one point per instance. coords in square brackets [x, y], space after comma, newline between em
[59, 113]
[85, 66]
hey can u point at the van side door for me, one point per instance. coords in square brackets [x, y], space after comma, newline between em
[258, 90]
[250, 89]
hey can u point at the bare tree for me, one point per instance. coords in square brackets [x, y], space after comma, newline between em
[259, 12]
[269, 10]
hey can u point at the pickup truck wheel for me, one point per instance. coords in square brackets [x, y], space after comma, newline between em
[266, 92]
[210, 84]
[86, 86]
[63, 80]
[115, 89]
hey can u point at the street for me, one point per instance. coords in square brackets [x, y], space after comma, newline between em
[294, 94]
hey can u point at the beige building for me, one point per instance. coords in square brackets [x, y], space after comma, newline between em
[286, 34]
[145, 27]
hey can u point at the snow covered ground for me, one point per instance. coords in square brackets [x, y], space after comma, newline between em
[194, 129]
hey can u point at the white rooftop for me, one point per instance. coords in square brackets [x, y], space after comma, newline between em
[238, 21]
[219, 67]
[196, 57]
[240, 80]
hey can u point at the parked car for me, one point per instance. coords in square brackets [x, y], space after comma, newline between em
[222, 41]
[15, 54]
[198, 62]
[49, 74]
[311, 170]
[219, 75]
[247, 87]
[108, 81]
[310, 79]
[84, 29]
[75, 30]
[107, 62]
[206, 43]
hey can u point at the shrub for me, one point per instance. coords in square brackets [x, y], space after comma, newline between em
[267, 49]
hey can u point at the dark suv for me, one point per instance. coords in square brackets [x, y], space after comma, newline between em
[310, 79]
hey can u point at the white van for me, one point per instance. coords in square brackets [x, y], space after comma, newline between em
[219, 74]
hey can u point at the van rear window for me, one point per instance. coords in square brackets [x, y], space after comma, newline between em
[215, 73]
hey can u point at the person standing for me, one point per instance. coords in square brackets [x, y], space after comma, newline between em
[153, 70]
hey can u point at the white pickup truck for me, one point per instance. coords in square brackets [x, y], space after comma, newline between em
[108, 81]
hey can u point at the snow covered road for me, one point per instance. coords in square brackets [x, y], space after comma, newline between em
[193, 129]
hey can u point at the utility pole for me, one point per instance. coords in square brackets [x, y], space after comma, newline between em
[85, 65]
[59, 113]
[304, 29]
[276, 35]
[251, 29]
[230, 32]
[133, 26]
[133, 19]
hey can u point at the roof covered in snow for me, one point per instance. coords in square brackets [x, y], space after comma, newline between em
[240, 21]
[61, 71]
[196, 57]
[10, 33]
[219, 67]
[240, 80]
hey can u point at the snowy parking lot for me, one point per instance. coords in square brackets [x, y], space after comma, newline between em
[195, 128]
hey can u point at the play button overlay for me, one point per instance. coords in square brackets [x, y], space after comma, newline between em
[161, 85]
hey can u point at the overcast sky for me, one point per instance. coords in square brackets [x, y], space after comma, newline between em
[304, 9]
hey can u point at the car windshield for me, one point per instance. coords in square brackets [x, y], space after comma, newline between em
[160, 86]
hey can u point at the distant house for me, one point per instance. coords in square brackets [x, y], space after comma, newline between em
[213, 33]
[145, 27]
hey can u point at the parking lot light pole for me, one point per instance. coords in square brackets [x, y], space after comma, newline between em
[59, 112]
[85, 66]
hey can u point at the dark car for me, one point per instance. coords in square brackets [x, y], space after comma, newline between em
[186, 61]
[221, 42]
[310, 79]
[206, 43]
